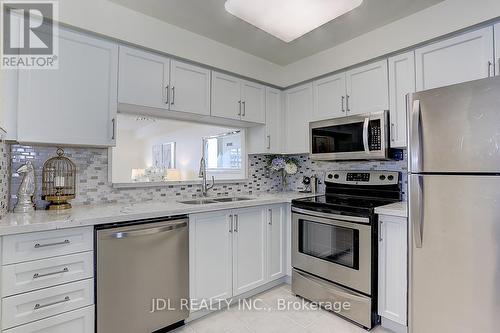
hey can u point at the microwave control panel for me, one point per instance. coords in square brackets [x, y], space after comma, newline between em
[375, 138]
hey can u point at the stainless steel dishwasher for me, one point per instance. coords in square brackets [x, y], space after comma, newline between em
[142, 275]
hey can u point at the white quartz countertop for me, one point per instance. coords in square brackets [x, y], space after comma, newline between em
[16, 223]
[395, 209]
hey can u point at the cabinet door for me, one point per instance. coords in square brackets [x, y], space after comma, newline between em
[190, 88]
[392, 266]
[401, 83]
[249, 250]
[210, 256]
[75, 104]
[368, 89]
[329, 97]
[298, 113]
[254, 102]
[463, 58]
[226, 96]
[275, 242]
[497, 49]
[143, 78]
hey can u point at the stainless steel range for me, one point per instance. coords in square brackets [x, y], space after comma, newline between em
[334, 242]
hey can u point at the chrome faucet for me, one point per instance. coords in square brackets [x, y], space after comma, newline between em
[203, 175]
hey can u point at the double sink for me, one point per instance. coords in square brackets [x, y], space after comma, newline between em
[204, 201]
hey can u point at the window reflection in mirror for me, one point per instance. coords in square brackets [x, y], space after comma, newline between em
[152, 150]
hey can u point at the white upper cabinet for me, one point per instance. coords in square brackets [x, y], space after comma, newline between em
[75, 104]
[143, 78]
[367, 88]
[401, 83]
[249, 249]
[329, 97]
[298, 113]
[267, 138]
[226, 96]
[463, 58]
[189, 88]
[497, 49]
[237, 99]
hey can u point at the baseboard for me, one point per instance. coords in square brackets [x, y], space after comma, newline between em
[201, 313]
[393, 326]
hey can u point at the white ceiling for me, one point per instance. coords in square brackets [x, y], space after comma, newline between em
[209, 18]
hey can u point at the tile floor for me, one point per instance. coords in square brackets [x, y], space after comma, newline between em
[272, 320]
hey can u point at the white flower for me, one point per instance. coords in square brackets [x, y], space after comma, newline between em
[291, 168]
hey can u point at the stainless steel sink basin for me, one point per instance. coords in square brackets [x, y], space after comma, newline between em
[230, 199]
[198, 202]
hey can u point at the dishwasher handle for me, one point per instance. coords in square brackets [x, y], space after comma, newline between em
[148, 231]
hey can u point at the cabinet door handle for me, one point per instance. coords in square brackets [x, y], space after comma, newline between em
[231, 223]
[268, 142]
[40, 306]
[270, 217]
[167, 94]
[244, 108]
[347, 103]
[342, 103]
[64, 242]
[498, 66]
[236, 223]
[490, 65]
[113, 129]
[380, 239]
[392, 132]
[173, 96]
[239, 109]
[37, 275]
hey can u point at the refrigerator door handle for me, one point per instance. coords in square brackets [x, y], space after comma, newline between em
[416, 209]
[365, 135]
[415, 137]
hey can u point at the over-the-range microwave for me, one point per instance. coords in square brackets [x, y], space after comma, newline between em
[357, 137]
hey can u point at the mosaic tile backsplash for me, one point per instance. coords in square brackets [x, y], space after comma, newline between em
[93, 186]
[4, 177]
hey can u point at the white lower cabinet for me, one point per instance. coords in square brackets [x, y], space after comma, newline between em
[77, 321]
[392, 267]
[234, 251]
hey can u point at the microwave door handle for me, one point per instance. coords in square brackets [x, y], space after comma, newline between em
[365, 135]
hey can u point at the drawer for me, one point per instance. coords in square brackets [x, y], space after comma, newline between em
[25, 308]
[78, 321]
[46, 244]
[38, 274]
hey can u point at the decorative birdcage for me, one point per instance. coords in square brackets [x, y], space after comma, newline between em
[58, 181]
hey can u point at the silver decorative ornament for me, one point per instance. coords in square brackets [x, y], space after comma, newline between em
[26, 189]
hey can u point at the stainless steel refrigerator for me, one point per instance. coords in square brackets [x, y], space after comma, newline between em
[454, 208]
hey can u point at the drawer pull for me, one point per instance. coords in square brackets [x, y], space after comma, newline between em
[64, 270]
[38, 306]
[37, 245]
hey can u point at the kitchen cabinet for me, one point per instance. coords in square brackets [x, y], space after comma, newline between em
[401, 83]
[266, 139]
[210, 256]
[367, 88]
[329, 97]
[298, 114]
[459, 59]
[497, 48]
[237, 99]
[249, 249]
[392, 267]
[232, 252]
[276, 242]
[153, 81]
[75, 104]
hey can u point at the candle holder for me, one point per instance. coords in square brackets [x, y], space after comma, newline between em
[58, 181]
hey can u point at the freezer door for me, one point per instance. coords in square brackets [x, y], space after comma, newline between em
[454, 282]
[456, 128]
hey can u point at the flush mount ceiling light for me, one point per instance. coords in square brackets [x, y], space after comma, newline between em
[289, 19]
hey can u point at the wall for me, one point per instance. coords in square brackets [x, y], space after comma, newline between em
[93, 186]
[438, 20]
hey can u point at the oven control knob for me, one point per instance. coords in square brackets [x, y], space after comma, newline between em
[382, 177]
[391, 177]
[336, 176]
[330, 176]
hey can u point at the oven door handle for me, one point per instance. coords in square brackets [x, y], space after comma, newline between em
[365, 135]
[347, 218]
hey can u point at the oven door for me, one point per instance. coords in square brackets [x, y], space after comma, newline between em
[335, 247]
[350, 138]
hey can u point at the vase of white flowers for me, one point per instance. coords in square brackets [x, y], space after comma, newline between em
[285, 166]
